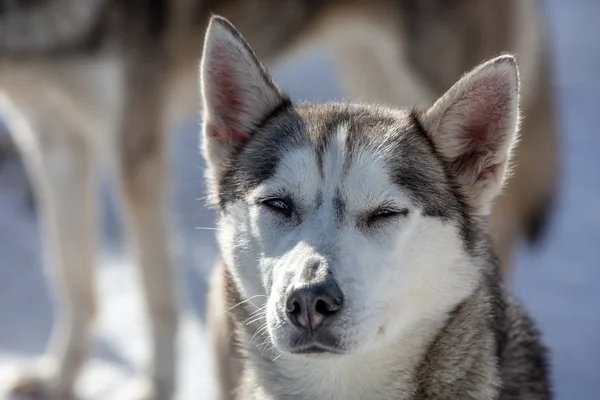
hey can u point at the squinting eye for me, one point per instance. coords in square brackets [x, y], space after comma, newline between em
[279, 205]
[383, 213]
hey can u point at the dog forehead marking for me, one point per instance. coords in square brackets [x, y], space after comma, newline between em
[339, 178]
[316, 175]
[333, 161]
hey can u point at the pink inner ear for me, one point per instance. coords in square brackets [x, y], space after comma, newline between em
[229, 105]
[231, 102]
[477, 131]
[484, 112]
[231, 136]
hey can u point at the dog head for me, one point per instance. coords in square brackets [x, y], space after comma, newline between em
[350, 224]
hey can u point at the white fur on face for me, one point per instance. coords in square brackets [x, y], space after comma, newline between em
[395, 276]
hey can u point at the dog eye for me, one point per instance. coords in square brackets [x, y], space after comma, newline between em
[279, 205]
[385, 213]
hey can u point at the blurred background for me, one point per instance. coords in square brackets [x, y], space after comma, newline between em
[559, 283]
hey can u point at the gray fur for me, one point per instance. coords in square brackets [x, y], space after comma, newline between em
[475, 342]
[488, 343]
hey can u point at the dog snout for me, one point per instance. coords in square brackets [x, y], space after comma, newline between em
[309, 306]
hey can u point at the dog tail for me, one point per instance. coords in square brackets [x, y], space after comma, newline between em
[37, 26]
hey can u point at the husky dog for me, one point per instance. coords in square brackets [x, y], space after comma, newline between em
[356, 263]
[80, 75]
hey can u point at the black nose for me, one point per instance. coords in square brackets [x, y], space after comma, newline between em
[309, 306]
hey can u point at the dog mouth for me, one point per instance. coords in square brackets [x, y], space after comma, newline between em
[315, 344]
[316, 349]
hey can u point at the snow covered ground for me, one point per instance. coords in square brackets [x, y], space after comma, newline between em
[560, 284]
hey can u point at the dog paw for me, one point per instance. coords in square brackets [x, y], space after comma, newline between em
[38, 384]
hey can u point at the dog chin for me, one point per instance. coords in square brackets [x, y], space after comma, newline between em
[300, 344]
[316, 351]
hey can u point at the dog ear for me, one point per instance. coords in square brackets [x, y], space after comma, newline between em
[474, 127]
[237, 92]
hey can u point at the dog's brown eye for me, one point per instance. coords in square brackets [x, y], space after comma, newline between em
[386, 213]
[282, 206]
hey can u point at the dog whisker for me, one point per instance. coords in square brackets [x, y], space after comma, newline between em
[246, 301]
[256, 319]
[258, 333]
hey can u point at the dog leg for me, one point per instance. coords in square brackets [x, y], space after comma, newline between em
[142, 175]
[60, 164]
